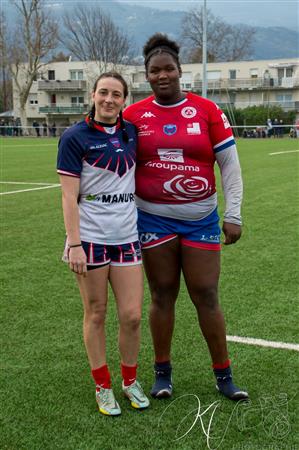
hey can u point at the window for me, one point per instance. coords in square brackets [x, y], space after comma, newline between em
[284, 97]
[51, 74]
[232, 74]
[289, 72]
[254, 73]
[76, 74]
[77, 100]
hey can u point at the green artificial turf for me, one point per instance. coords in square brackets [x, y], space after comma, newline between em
[47, 394]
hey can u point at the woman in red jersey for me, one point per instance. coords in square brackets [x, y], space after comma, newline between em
[180, 137]
[96, 164]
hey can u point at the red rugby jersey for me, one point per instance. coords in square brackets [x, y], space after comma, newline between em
[176, 148]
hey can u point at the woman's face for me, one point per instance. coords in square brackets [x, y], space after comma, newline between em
[108, 99]
[164, 75]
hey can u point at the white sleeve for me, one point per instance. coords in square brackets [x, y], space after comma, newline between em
[232, 185]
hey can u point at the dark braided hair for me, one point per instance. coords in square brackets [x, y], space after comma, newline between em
[92, 112]
[160, 43]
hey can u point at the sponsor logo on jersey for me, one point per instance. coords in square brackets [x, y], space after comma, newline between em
[225, 121]
[172, 166]
[147, 115]
[110, 198]
[193, 128]
[170, 129]
[183, 188]
[171, 154]
[94, 147]
[188, 112]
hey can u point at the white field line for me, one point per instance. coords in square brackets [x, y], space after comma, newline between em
[28, 183]
[12, 145]
[263, 343]
[28, 190]
[282, 153]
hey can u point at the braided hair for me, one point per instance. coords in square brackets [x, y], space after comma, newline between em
[160, 43]
[91, 114]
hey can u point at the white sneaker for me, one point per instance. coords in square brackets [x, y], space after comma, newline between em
[136, 395]
[107, 403]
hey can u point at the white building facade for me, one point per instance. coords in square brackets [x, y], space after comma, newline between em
[61, 94]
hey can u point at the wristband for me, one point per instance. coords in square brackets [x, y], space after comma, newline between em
[75, 245]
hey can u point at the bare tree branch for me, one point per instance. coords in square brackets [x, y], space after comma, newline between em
[91, 35]
[34, 37]
[224, 42]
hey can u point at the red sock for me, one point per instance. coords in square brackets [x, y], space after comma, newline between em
[128, 374]
[224, 365]
[101, 377]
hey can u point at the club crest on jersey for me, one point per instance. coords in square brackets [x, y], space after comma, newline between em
[188, 112]
[115, 142]
[170, 129]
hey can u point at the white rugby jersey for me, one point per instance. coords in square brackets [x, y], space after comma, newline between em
[105, 165]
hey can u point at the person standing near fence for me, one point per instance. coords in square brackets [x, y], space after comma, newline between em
[180, 137]
[96, 164]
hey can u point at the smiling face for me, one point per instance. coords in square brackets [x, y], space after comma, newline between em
[164, 75]
[108, 98]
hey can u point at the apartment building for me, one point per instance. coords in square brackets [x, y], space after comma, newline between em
[61, 94]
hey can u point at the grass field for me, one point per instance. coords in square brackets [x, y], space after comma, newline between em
[47, 394]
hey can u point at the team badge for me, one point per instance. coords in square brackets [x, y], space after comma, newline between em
[188, 112]
[115, 142]
[170, 129]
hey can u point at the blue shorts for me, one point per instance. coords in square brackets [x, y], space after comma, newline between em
[99, 255]
[155, 230]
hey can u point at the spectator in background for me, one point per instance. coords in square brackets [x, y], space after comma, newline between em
[53, 129]
[269, 128]
[45, 129]
[276, 128]
[35, 125]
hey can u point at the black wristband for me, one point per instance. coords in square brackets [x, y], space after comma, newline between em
[75, 245]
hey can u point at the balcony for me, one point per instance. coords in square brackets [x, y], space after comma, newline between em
[248, 84]
[64, 109]
[56, 85]
[140, 87]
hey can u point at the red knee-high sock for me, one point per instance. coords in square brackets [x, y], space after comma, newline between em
[128, 374]
[101, 377]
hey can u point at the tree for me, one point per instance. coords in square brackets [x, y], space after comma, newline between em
[91, 35]
[224, 42]
[35, 36]
[5, 83]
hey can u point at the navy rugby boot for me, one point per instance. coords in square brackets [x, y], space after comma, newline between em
[226, 386]
[162, 387]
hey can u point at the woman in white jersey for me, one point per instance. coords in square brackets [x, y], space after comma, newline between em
[180, 137]
[96, 164]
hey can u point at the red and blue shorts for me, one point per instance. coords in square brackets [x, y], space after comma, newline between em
[99, 255]
[155, 230]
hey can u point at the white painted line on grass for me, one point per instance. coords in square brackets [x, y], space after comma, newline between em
[28, 183]
[263, 343]
[12, 145]
[33, 189]
[283, 153]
